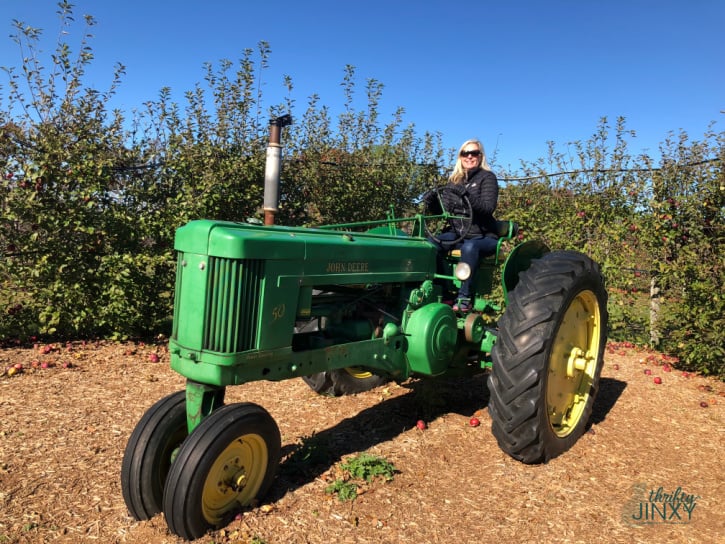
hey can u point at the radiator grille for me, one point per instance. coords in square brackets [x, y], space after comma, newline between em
[232, 308]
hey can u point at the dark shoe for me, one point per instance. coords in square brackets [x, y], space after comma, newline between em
[463, 305]
[449, 298]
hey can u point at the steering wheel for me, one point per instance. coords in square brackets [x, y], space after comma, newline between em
[456, 215]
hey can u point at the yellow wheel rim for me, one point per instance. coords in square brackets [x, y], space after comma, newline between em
[573, 363]
[358, 372]
[235, 477]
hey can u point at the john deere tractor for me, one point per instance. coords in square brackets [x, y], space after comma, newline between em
[347, 308]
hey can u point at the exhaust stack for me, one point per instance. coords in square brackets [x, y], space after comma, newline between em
[272, 167]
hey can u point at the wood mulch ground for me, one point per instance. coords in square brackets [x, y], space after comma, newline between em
[63, 432]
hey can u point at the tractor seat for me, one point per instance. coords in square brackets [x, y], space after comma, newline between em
[507, 229]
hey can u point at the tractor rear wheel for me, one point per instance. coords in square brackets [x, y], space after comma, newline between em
[548, 357]
[229, 460]
[345, 381]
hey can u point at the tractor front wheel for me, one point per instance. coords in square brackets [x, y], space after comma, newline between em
[548, 357]
[229, 460]
[149, 453]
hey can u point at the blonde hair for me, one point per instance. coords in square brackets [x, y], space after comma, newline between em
[459, 172]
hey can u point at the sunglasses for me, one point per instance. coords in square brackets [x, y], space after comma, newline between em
[471, 153]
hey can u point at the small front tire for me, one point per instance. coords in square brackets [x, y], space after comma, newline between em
[228, 462]
[148, 455]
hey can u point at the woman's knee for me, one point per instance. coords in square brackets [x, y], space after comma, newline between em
[469, 254]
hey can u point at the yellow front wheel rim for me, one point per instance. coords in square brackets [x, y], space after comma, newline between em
[235, 477]
[573, 363]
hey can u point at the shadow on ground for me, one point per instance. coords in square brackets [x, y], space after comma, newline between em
[609, 392]
[426, 400]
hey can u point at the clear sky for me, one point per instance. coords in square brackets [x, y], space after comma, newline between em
[514, 74]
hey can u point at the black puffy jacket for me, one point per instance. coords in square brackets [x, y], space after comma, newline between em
[482, 188]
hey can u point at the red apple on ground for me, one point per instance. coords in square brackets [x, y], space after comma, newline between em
[421, 425]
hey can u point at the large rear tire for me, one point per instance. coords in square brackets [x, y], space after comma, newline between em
[229, 460]
[149, 453]
[345, 381]
[548, 357]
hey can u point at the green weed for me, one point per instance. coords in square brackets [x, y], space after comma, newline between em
[364, 466]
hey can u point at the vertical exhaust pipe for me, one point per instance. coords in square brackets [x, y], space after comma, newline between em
[272, 167]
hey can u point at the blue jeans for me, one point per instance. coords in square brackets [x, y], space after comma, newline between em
[472, 249]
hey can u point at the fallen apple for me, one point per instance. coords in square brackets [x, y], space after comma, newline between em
[657, 380]
[474, 422]
[647, 371]
[421, 425]
[153, 358]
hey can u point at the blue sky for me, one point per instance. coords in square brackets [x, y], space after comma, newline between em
[514, 74]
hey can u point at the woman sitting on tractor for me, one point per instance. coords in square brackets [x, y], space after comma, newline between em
[472, 177]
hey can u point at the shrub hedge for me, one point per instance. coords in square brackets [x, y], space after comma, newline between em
[91, 198]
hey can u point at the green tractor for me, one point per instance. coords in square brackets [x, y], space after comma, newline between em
[347, 308]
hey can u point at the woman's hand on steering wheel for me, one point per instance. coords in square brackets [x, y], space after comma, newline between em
[454, 205]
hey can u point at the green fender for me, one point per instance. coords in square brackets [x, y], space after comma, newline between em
[519, 260]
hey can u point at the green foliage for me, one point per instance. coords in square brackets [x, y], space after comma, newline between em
[364, 466]
[330, 172]
[90, 199]
[629, 316]
[90, 207]
[346, 491]
[71, 263]
[651, 227]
